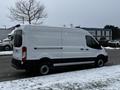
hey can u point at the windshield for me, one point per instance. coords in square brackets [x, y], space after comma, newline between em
[18, 38]
[91, 42]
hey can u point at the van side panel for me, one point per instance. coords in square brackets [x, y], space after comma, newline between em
[73, 43]
[43, 43]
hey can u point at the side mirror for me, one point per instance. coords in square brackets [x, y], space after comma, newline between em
[99, 46]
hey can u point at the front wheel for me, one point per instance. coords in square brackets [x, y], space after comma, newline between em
[99, 63]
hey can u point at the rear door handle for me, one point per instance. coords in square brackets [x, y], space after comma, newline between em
[86, 49]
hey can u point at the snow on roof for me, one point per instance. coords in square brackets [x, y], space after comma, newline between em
[111, 48]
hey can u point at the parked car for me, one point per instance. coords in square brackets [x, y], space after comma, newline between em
[103, 42]
[6, 44]
[114, 43]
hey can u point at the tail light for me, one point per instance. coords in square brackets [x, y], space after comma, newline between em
[24, 54]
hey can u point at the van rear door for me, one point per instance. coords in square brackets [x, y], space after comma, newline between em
[17, 43]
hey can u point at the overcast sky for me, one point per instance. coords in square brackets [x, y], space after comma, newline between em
[86, 13]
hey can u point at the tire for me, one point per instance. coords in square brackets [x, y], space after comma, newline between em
[7, 48]
[44, 68]
[99, 63]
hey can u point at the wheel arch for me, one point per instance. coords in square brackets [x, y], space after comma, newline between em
[7, 45]
[101, 56]
[46, 60]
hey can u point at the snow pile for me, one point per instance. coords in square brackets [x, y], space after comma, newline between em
[105, 78]
[111, 48]
[6, 53]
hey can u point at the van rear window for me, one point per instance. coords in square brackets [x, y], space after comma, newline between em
[18, 38]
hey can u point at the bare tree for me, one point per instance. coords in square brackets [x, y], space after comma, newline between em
[28, 10]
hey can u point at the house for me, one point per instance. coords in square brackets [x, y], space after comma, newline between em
[99, 33]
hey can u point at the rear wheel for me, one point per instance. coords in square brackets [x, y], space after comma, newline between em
[99, 63]
[44, 68]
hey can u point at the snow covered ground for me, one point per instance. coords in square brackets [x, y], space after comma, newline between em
[6, 53]
[105, 78]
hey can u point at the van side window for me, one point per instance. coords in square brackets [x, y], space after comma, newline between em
[90, 41]
[18, 38]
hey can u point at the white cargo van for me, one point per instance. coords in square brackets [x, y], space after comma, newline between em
[42, 48]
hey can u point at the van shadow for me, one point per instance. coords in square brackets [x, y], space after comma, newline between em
[16, 74]
[72, 68]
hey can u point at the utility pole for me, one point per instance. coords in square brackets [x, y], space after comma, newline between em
[4, 26]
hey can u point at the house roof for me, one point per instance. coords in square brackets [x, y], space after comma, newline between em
[98, 29]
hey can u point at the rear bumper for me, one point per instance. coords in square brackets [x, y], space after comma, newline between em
[18, 64]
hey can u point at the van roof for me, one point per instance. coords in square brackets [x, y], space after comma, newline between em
[31, 25]
[36, 27]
